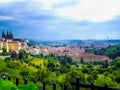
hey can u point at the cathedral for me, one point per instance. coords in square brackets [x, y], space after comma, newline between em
[8, 35]
[10, 43]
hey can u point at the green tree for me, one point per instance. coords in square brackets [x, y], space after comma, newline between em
[69, 60]
[22, 54]
[51, 65]
[4, 51]
[81, 60]
[90, 66]
[7, 85]
[42, 74]
[90, 78]
[71, 77]
[117, 63]
[24, 72]
[105, 64]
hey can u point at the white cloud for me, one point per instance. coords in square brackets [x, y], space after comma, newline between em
[92, 10]
[48, 4]
[8, 1]
[6, 18]
[5, 1]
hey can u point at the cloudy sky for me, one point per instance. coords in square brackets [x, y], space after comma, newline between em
[61, 19]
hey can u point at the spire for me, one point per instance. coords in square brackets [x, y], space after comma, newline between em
[11, 34]
[3, 34]
[7, 36]
[7, 33]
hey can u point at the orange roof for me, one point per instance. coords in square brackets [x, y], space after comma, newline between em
[93, 56]
[12, 42]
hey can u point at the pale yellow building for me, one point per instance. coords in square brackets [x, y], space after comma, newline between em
[14, 45]
[1, 46]
[10, 45]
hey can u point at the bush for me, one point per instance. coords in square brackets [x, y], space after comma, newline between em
[7, 85]
[28, 87]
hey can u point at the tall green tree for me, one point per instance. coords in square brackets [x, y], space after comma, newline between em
[22, 54]
[4, 51]
[81, 60]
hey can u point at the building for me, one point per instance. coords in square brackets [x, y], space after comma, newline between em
[1, 46]
[23, 42]
[90, 57]
[10, 43]
[14, 45]
[8, 35]
[33, 51]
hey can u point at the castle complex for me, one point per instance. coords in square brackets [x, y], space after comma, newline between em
[9, 35]
[10, 43]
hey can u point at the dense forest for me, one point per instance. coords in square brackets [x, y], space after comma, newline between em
[59, 69]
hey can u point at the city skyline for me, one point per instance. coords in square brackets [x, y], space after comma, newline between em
[61, 19]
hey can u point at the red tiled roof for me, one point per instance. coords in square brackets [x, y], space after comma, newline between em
[93, 56]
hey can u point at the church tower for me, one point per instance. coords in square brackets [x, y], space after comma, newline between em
[11, 35]
[3, 34]
[8, 35]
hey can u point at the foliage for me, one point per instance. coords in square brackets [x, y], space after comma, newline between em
[4, 51]
[22, 54]
[71, 76]
[81, 60]
[59, 69]
[28, 87]
[14, 55]
[7, 85]
[112, 51]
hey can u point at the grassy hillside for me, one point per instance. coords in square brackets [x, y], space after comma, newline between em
[60, 70]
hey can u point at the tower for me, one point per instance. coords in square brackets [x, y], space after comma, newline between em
[8, 35]
[11, 35]
[3, 34]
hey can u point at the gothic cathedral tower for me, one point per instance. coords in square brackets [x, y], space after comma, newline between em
[9, 35]
[3, 34]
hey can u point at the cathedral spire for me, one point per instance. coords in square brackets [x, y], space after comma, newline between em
[3, 34]
[7, 33]
[7, 36]
[11, 34]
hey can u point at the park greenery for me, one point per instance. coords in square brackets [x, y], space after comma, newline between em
[111, 51]
[59, 69]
